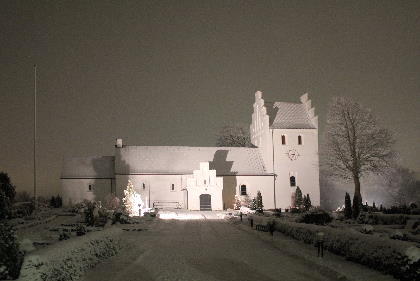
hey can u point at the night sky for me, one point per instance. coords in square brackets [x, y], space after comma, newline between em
[174, 72]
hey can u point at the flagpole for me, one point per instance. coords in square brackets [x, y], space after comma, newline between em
[34, 140]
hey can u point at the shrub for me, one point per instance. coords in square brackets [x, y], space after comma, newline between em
[22, 209]
[56, 202]
[80, 230]
[259, 202]
[112, 202]
[63, 235]
[315, 216]
[367, 229]
[7, 195]
[378, 218]
[298, 198]
[307, 204]
[10, 257]
[90, 213]
[23, 196]
[389, 256]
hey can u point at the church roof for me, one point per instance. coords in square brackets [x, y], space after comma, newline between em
[292, 116]
[89, 167]
[185, 159]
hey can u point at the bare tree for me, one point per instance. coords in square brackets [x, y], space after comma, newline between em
[233, 135]
[355, 143]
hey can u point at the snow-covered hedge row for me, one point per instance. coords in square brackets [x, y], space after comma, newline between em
[389, 256]
[379, 218]
[68, 260]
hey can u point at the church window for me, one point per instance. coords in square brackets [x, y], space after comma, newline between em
[172, 187]
[292, 181]
[205, 182]
[243, 189]
[144, 186]
[299, 140]
[90, 187]
[283, 139]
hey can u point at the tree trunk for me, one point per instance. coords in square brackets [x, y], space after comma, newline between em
[357, 186]
[357, 197]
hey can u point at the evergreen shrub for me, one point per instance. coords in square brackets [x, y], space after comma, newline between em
[10, 257]
[315, 216]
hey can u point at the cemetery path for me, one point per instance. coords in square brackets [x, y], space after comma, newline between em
[201, 250]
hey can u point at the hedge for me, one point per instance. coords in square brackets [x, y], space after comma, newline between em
[68, 260]
[386, 219]
[392, 257]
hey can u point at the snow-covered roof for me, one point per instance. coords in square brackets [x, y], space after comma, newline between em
[185, 159]
[89, 167]
[292, 116]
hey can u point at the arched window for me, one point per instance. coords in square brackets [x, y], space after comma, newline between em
[299, 140]
[172, 187]
[144, 186]
[292, 181]
[90, 187]
[283, 139]
[243, 189]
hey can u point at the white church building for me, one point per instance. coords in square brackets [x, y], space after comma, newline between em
[285, 136]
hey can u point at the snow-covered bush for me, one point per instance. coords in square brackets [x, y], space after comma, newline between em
[10, 256]
[80, 230]
[398, 235]
[367, 229]
[112, 202]
[68, 260]
[22, 209]
[316, 216]
[378, 218]
[383, 254]
[246, 210]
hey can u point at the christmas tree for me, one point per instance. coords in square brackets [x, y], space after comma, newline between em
[253, 205]
[237, 204]
[132, 201]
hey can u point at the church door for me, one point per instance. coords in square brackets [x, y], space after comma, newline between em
[205, 202]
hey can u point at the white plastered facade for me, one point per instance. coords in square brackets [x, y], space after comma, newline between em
[164, 176]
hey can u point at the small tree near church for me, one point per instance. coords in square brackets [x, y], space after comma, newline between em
[298, 198]
[260, 205]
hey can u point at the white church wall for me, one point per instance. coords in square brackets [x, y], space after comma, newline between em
[77, 190]
[157, 188]
[253, 184]
[304, 166]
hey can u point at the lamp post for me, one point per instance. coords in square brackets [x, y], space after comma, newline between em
[34, 140]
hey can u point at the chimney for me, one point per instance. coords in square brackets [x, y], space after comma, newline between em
[118, 143]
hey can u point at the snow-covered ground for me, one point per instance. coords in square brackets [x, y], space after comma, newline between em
[204, 249]
[177, 214]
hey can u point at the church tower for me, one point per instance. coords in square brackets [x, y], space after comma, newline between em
[288, 143]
